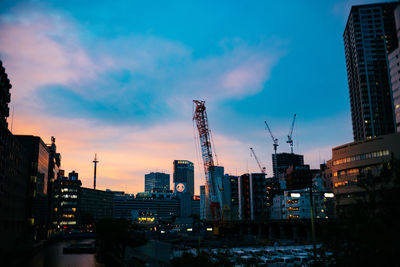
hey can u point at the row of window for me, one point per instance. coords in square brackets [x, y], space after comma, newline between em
[377, 154]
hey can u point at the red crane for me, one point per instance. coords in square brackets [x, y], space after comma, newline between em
[213, 190]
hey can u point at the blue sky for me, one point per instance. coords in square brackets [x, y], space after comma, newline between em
[118, 78]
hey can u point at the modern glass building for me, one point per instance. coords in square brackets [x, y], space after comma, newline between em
[369, 37]
[156, 181]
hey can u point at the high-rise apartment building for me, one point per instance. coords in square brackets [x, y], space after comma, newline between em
[184, 176]
[394, 65]
[370, 35]
[156, 181]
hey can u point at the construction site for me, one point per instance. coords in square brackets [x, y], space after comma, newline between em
[287, 205]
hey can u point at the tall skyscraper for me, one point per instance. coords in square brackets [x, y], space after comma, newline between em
[184, 176]
[370, 35]
[394, 65]
[156, 180]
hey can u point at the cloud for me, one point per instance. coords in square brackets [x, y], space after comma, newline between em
[127, 99]
[129, 79]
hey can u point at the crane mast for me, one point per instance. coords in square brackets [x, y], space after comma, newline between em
[289, 136]
[275, 144]
[213, 194]
[262, 169]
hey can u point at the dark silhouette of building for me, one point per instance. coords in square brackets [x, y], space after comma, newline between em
[14, 175]
[184, 174]
[5, 96]
[156, 181]
[394, 65]
[370, 35]
[252, 197]
[298, 177]
[94, 204]
[284, 161]
[38, 204]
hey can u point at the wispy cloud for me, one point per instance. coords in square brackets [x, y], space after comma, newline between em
[126, 79]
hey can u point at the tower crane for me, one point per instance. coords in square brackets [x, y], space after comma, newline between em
[289, 136]
[213, 188]
[262, 169]
[275, 144]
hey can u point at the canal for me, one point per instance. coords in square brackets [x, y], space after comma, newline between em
[53, 256]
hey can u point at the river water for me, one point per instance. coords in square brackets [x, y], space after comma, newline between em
[52, 256]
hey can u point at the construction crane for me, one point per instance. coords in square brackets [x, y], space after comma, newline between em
[289, 136]
[212, 186]
[262, 169]
[275, 144]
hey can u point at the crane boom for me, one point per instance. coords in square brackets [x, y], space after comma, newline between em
[262, 169]
[275, 144]
[289, 136]
[213, 192]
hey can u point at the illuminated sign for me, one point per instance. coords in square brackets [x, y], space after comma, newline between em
[329, 195]
[180, 187]
[295, 195]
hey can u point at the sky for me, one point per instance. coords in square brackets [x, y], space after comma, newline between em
[117, 78]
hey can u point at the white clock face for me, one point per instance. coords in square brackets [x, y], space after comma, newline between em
[180, 187]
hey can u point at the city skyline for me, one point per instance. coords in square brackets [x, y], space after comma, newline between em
[62, 65]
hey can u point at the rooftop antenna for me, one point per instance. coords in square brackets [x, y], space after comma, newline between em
[95, 161]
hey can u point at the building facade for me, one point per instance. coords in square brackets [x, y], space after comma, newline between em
[367, 157]
[184, 175]
[164, 206]
[298, 177]
[282, 161]
[369, 36]
[94, 204]
[15, 229]
[156, 181]
[296, 204]
[252, 197]
[38, 202]
[66, 193]
[394, 66]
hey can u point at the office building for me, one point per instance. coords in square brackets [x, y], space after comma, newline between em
[38, 203]
[394, 66]
[231, 191]
[164, 206]
[252, 197]
[282, 161]
[296, 204]
[298, 177]
[66, 191]
[184, 175]
[94, 204]
[360, 158]
[370, 35]
[156, 181]
[14, 176]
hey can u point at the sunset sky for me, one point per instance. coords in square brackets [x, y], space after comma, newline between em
[117, 78]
